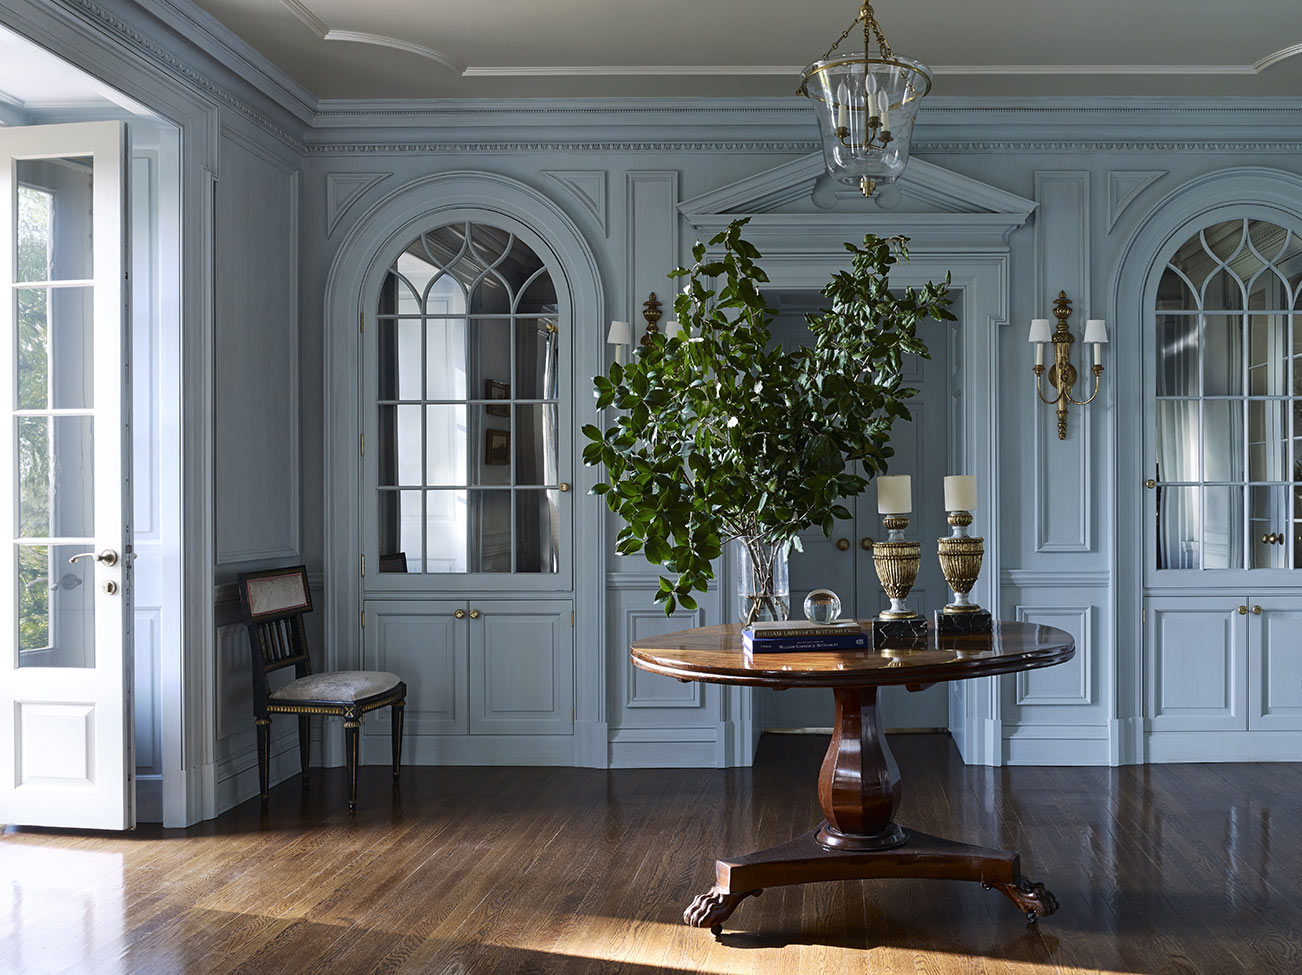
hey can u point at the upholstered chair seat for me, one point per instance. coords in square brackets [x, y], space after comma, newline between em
[274, 603]
[339, 685]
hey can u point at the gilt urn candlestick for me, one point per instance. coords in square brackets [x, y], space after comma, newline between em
[897, 562]
[960, 559]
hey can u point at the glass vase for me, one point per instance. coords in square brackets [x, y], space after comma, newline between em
[759, 573]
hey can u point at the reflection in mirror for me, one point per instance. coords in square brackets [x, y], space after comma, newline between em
[1267, 527]
[1222, 440]
[1177, 440]
[56, 607]
[468, 409]
[1267, 440]
[1222, 526]
[1178, 527]
[1222, 355]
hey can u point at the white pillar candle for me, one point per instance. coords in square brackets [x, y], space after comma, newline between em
[894, 494]
[960, 492]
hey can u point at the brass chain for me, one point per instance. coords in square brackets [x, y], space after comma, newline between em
[871, 29]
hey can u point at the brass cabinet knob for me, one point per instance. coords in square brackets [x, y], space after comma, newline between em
[843, 544]
[1243, 610]
[1256, 610]
[475, 614]
[1274, 538]
[564, 487]
[866, 544]
[460, 614]
[1150, 484]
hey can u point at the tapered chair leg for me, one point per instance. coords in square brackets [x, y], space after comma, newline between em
[264, 758]
[351, 728]
[395, 719]
[304, 743]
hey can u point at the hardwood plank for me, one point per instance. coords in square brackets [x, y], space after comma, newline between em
[1158, 869]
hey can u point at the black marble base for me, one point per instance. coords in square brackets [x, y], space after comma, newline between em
[980, 622]
[896, 630]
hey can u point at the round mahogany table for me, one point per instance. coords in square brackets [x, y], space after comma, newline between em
[859, 784]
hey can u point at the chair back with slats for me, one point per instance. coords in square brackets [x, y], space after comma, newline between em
[274, 602]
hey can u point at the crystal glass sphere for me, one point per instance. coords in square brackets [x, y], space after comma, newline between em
[822, 606]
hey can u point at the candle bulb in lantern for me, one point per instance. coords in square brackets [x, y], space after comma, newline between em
[842, 97]
[894, 494]
[960, 492]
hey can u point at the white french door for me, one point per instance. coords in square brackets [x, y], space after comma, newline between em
[65, 663]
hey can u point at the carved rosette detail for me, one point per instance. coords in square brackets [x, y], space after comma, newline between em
[897, 566]
[711, 909]
[1031, 898]
[960, 560]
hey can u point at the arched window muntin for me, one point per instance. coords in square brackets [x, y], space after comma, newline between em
[461, 441]
[1224, 390]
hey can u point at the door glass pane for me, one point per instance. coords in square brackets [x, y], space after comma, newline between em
[536, 344]
[55, 482]
[1267, 355]
[488, 353]
[445, 438]
[55, 207]
[1223, 355]
[538, 527]
[489, 531]
[1267, 527]
[1224, 291]
[1177, 355]
[1177, 440]
[490, 436]
[446, 521]
[1222, 440]
[536, 444]
[400, 531]
[400, 359]
[1297, 527]
[1222, 528]
[445, 359]
[1178, 527]
[400, 457]
[55, 348]
[56, 607]
[1267, 440]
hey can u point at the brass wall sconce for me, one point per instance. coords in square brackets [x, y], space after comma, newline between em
[1062, 374]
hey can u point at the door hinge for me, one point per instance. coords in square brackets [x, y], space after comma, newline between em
[571, 619]
[361, 444]
[361, 322]
[363, 566]
[363, 619]
[1143, 617]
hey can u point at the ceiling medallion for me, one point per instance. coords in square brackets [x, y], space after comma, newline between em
[865, 105]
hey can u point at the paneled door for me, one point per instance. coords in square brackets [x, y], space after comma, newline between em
[844, 563]
[65, 710]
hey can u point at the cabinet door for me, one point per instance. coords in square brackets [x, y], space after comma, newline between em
[424, 643]
[1275, 664]
[1197, 664]
[521, 667]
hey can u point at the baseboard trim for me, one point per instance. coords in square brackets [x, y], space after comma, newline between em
[237, 776]
[1215, 746]
[472, 750]
[1044, 750]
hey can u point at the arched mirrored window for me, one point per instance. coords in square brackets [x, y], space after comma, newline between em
[1229, 400]
[468, 406]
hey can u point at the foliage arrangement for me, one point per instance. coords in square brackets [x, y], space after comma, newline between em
[723, 434]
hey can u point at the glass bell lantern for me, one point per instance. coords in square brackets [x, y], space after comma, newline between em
[866, 104]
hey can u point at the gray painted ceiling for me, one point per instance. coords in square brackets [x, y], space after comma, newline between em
[525, 48]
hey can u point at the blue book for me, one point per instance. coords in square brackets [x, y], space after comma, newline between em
[848, 641]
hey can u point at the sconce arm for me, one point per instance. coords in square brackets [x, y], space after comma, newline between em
[1098, 381]
[1039, 390]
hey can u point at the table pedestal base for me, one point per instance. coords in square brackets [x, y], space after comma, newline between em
[806, 860]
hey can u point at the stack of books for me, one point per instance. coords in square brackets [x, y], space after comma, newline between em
[794, 636]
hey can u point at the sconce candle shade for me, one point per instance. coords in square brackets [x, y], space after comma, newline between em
[1040, 330]
[894, 494]
[621, 333]
[960, 492]
[672, 329]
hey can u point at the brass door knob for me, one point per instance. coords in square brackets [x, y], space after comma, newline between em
[1150, 484]
[460, 614]
[843, 544]
[564, 487]
[1243, 610]
[866, 544]
[475, 614]
[1256, 610]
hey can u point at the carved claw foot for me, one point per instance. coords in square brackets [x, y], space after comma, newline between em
[1031, 898]
[711, 909]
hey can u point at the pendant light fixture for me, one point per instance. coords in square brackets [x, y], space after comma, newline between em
[865, 104]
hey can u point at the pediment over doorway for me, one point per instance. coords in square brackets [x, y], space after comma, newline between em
[796, 207]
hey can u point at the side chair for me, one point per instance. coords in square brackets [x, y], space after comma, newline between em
[274, 602]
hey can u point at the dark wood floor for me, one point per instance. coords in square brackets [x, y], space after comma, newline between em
[1178, 868]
